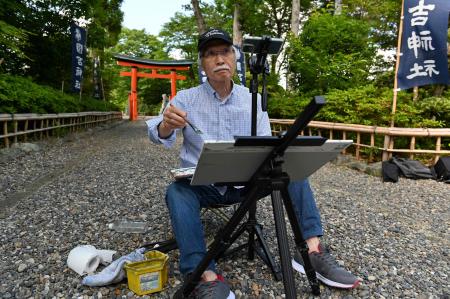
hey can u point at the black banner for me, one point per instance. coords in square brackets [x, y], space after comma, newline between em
[78, 56]
[423, 58]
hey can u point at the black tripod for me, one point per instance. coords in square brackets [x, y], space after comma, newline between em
[267, 179]
[257, 65]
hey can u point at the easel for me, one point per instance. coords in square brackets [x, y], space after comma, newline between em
[268, 178]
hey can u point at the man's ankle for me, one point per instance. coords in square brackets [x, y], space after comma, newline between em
[209, 275]
[313, 244]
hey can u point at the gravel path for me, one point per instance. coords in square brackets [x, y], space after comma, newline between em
[395, 237]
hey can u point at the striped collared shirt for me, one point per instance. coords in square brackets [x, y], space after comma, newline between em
[218, 119]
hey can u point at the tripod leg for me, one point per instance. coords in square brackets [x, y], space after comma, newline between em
[300, 242]
[265, 253]
[283, 245]
[221, 243]
[251, 232]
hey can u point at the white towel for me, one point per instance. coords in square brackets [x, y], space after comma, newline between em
[114, 272]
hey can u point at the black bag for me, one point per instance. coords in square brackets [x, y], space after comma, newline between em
[442, 169]
[390, 172]
[412, 169]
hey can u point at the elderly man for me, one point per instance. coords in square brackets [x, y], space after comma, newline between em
[222, 110]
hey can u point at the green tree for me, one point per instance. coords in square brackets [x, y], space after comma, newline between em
[47, 23]
[181, 32]
[332, 52]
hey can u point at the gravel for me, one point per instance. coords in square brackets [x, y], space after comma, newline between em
[62, 194]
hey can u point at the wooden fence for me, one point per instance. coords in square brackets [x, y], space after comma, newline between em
[368, 141]
[384, 141]
[18, 127]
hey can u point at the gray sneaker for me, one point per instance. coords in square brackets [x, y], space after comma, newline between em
[217, 289]
[327, 269]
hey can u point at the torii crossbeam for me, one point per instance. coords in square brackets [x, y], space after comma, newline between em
[154, 65]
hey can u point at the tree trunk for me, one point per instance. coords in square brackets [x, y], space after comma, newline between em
[337, 7]
[438, 90]
[415, 93]
[295, 26]
[198, 16]
[295, 17]
[237, 33]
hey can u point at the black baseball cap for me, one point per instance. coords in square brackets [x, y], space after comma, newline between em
[213, 34]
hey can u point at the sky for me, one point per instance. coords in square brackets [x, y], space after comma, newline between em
[150, 14]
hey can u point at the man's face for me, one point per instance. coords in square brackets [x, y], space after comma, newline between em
[219, 62]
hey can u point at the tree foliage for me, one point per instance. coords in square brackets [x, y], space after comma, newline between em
[332, 52]
[45, 24]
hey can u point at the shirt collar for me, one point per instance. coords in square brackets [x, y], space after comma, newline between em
[212, 92]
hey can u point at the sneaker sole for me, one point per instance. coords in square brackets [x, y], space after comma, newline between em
[299, 268]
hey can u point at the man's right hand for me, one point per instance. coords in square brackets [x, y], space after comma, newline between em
[173, 118]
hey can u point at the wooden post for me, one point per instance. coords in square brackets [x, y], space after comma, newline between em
[412, 146]
[391, 146]
[5, 132]
[25, 129]
[397, 64]
[15, 130]
[438, 149]
[41, 132]
[372, 145]
[344, 137]
[34, 128]
[358, 146]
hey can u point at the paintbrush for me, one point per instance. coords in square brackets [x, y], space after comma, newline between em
[196, 130]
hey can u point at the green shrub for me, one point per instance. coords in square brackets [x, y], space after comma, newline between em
[21, 95]
[367, 105]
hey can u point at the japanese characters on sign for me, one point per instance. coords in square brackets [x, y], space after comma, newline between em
[96, 78]
[240, 65]
[78, 56]
[423, 58]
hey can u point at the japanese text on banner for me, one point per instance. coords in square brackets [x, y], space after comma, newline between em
[423, 58]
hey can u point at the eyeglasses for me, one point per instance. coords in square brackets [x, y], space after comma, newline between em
[225, 52]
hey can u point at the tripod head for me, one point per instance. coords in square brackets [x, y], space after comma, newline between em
[259, 47]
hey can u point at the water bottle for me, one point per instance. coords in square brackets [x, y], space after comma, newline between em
[127, 226]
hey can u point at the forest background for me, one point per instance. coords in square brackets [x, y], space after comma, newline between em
[333, 48]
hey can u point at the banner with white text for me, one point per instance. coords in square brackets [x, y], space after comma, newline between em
[78, 56]
[423, 58]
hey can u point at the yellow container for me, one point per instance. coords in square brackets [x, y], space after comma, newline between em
[150, 275]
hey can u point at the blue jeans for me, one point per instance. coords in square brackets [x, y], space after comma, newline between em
[185, 201]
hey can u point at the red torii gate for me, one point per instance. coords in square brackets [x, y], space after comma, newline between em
[154, 65]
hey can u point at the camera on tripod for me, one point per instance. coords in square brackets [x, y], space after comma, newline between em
[260, 47]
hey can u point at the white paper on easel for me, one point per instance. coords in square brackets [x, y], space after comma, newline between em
[223, 162]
